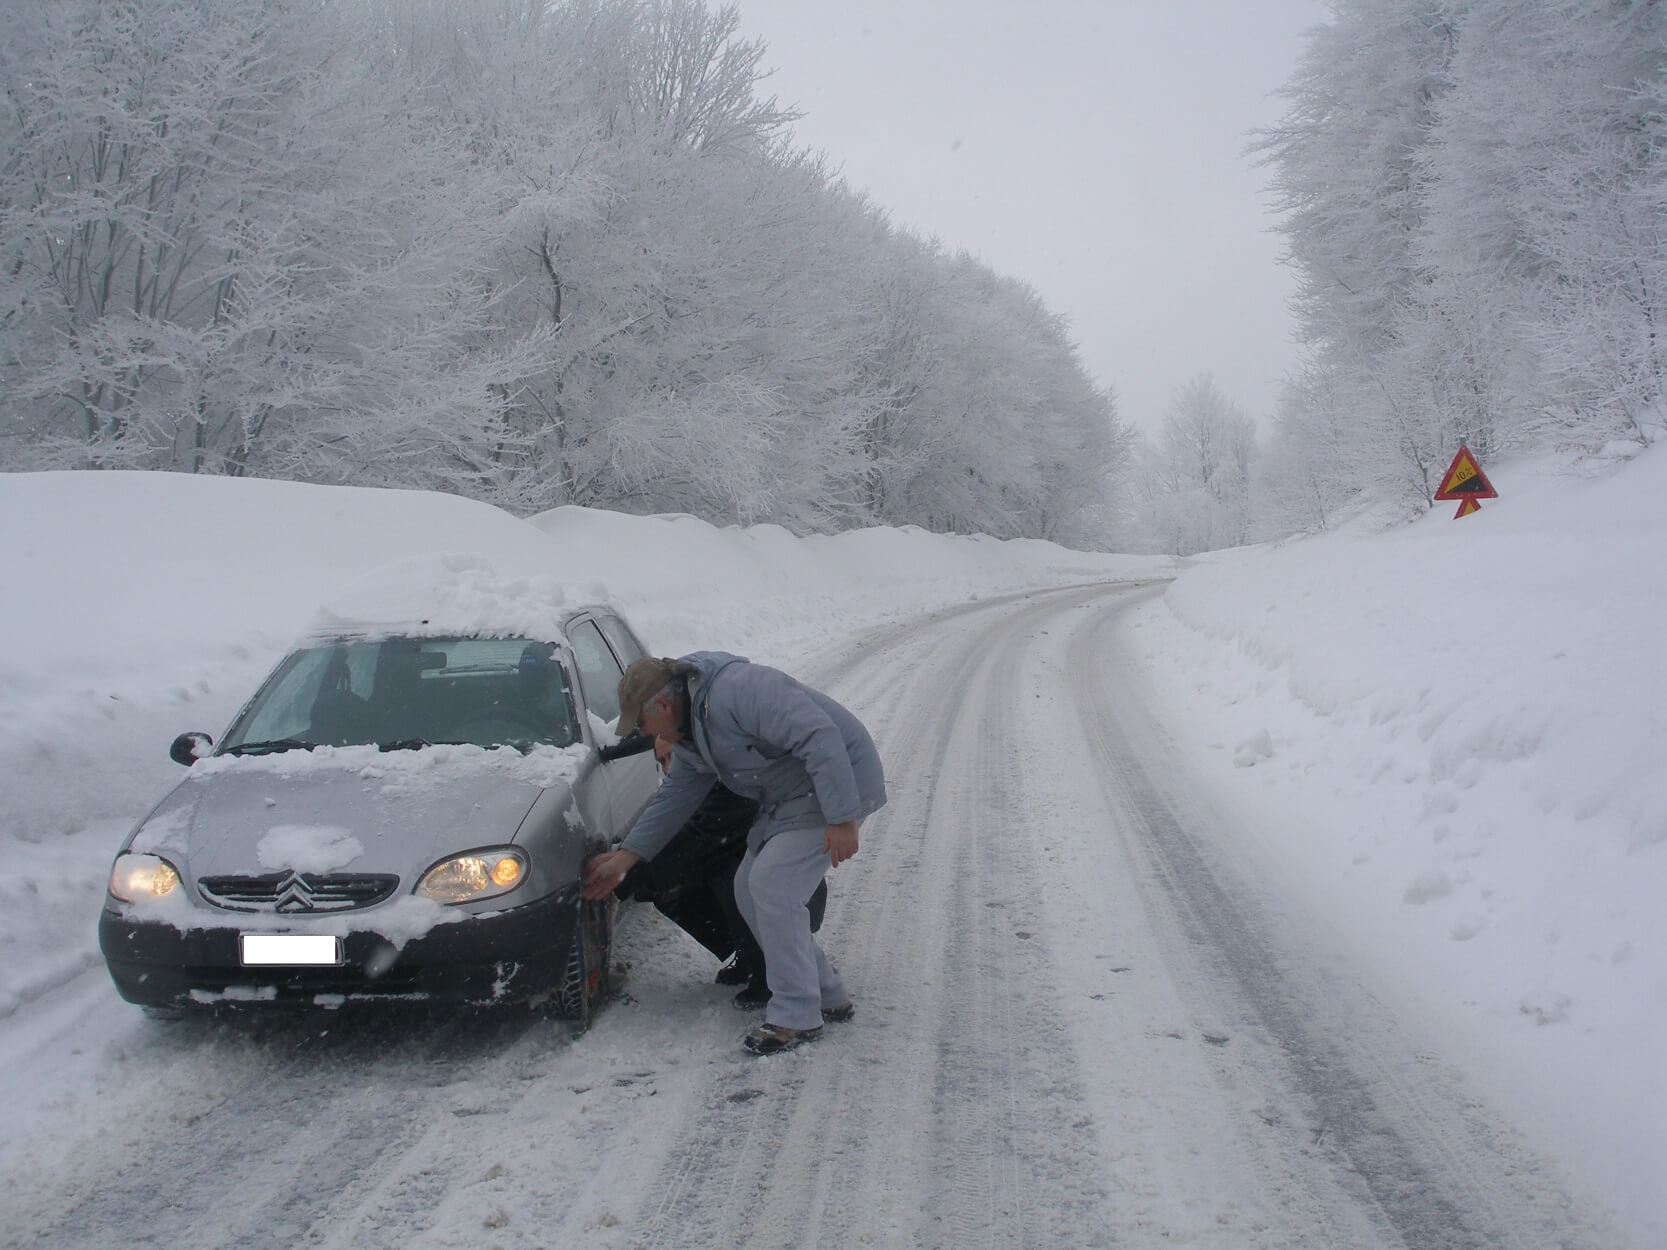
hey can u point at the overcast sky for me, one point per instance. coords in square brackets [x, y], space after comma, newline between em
[1093, 148]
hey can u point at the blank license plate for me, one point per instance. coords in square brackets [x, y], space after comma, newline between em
[291, 950]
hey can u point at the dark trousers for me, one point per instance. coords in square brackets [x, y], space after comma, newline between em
[692, 881]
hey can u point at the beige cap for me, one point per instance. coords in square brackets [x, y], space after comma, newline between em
[644, 679]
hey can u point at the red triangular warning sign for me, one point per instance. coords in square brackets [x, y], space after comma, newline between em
[1470, 504]
[1465, 480]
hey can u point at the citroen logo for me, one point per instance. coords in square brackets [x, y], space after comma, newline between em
[294, 895]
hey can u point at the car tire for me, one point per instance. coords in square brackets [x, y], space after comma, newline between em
[587, 978]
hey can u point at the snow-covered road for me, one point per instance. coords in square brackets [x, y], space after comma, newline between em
[1088, 1014]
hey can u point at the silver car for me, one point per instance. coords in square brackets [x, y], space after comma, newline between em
[397, 814]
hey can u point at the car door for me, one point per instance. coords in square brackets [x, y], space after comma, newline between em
[632, 780]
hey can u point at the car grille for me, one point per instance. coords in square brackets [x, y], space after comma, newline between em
[289, 892]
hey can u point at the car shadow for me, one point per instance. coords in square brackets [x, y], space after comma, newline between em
[369, 1033]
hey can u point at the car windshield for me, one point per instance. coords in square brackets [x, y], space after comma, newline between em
[410, 692]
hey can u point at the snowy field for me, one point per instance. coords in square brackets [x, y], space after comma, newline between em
[1449, 734]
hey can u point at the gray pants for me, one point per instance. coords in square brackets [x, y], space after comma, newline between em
[772, 886]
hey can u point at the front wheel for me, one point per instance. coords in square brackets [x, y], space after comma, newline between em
[586, 979]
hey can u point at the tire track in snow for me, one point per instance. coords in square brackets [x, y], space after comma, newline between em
[320, 1109]
[732, 1180]
[943, 1116]
[1378, 1128]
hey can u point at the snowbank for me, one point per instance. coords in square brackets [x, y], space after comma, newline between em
[1454, 731]
[144, 604]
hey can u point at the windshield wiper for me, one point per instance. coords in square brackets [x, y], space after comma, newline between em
[271, 747]
[416, 744]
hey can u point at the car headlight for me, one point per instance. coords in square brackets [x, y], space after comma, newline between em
[139, 877]
[479, 874]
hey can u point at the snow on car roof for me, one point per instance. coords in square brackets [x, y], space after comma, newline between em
[463, 594]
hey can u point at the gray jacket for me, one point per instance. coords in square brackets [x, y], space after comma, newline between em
[766, 736]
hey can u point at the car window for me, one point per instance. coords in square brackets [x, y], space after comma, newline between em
[625, 643]
[599, 672]
[281, 708]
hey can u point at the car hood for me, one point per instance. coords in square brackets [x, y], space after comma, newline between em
[350, 810]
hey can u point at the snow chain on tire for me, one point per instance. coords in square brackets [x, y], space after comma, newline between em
[585, 978]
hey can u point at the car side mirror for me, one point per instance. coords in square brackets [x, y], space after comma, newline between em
[631, 744]
[188, 748]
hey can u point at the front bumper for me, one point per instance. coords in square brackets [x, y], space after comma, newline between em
[510, 956]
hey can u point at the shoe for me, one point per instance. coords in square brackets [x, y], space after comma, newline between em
[756, 994]
[772, 1039]
[736, 972]
[839, 1014]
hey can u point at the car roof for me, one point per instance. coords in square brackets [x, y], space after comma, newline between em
[438, 626]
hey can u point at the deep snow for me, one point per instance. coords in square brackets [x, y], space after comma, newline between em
[1449, 732]
[1454, 733]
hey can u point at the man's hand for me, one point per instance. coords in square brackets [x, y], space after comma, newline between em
[604, 872]
[840, 842]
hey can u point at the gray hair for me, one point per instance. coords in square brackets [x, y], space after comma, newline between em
[671, 690]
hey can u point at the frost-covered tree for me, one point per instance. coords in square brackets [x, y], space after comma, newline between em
[1308, 466]
[1474, 204]
[1345, 171]
[741, 337]
[1346, 174]
[1545, 228]
[998, 430]
[215, 257]
[1195, 492]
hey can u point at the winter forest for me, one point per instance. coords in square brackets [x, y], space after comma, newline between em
[1475, 200]
[546, 252]
[534, 253]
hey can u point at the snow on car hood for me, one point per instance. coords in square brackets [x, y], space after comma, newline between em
[352, 809]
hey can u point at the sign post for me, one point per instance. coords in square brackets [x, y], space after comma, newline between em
[1465, 481]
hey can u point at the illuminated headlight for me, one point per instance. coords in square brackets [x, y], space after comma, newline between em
[139, 877]
[479, 874]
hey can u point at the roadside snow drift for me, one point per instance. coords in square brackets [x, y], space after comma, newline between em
[1456, 733]
[143, 604]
